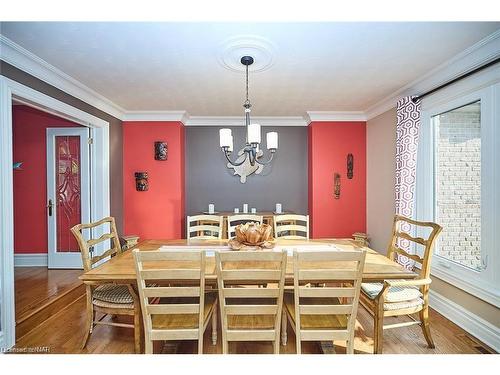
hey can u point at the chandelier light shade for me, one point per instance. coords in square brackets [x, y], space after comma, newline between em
[252, 147]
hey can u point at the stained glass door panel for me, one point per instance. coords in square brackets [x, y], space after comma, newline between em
[68, 193]
[68, 199]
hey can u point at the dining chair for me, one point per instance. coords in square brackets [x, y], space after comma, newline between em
[180, 312]
[288, 227]
[248, 311]
[204, 227]
[108, 299]
[316, 310]
[234, 220]
[403, 297]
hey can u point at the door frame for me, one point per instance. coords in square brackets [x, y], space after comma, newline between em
[71, 259]
[99, 193]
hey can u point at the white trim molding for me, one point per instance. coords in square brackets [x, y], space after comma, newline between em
[335, 116]
[19, 57]
[30, 260]
[11, 90]
[470, 322]
[240, 121]
[155, 116]
[482, 52]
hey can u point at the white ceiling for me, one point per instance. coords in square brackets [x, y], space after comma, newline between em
[176, 66]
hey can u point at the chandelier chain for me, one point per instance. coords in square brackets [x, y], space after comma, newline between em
[247, 101]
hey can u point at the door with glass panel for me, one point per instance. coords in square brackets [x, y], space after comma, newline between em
[68, 193]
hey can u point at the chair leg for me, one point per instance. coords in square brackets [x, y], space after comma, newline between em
[214, 326]
[137, 331]
[350, 345]
[284, 335]
[90, 319]
[148, 346]
[378, 332]
[424, 319]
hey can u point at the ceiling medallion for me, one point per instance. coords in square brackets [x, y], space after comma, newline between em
[261, 49]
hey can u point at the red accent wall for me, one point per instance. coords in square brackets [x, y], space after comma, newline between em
[159, 212]
[329, 144]
[30, 184]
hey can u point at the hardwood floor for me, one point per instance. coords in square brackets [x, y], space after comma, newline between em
[36, 286]
[63, 333]
[41, 293]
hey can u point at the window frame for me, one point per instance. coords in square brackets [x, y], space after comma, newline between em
[484, 283]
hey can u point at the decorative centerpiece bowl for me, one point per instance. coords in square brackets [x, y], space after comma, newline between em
[252, 236]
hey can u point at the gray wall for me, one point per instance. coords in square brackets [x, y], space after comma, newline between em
[208, 180]
[115, 132]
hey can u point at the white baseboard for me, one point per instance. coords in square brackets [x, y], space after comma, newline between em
[470, 322]
[30, 260]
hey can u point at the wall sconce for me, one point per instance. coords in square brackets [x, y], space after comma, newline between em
[161, 150]
[141, 181]
[350, 166]
[336, 182]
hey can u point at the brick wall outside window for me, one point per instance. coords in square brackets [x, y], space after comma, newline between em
[458, 185]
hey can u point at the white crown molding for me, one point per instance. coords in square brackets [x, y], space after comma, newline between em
[476, 55]
[335, 116]
[470, 322]
[240, 121]
[155, 116]
[25, 60]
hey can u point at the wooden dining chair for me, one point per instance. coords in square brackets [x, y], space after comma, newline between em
[316, 310]
[403, 297]
[107, 299]
[234, 220]
[204, 227]
[248, 311]
[179, 312]
[294, 227]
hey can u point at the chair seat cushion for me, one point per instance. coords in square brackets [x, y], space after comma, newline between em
[395, 293]
[115, 294]
[329, 321]
[403, 305]
[183, 321]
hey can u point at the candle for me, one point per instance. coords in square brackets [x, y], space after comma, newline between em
[245, 208]
[272, 140]
[254, 210]
[254, 133]
[236, 210]
[211, 208]
[225, 138]
[278, 208]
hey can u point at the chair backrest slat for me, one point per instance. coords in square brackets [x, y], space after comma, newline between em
[234, 220]
[163, 267]
[288, 227]
[204, 227]
[320, 302]
[400, 228]
[86, 245]
[252, 269]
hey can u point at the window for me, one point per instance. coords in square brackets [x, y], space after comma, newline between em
[458, 179]
[457, 154]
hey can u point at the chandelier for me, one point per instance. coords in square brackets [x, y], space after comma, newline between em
[251, 150]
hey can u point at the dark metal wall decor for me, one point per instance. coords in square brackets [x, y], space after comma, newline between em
[161, 150]
[336, 191]
[141, 181]
[350, 166]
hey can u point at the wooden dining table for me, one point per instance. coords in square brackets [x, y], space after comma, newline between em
[121, 269]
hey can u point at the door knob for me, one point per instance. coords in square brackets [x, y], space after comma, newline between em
[49, 206]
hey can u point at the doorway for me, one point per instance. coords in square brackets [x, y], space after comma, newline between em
[11, 91]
